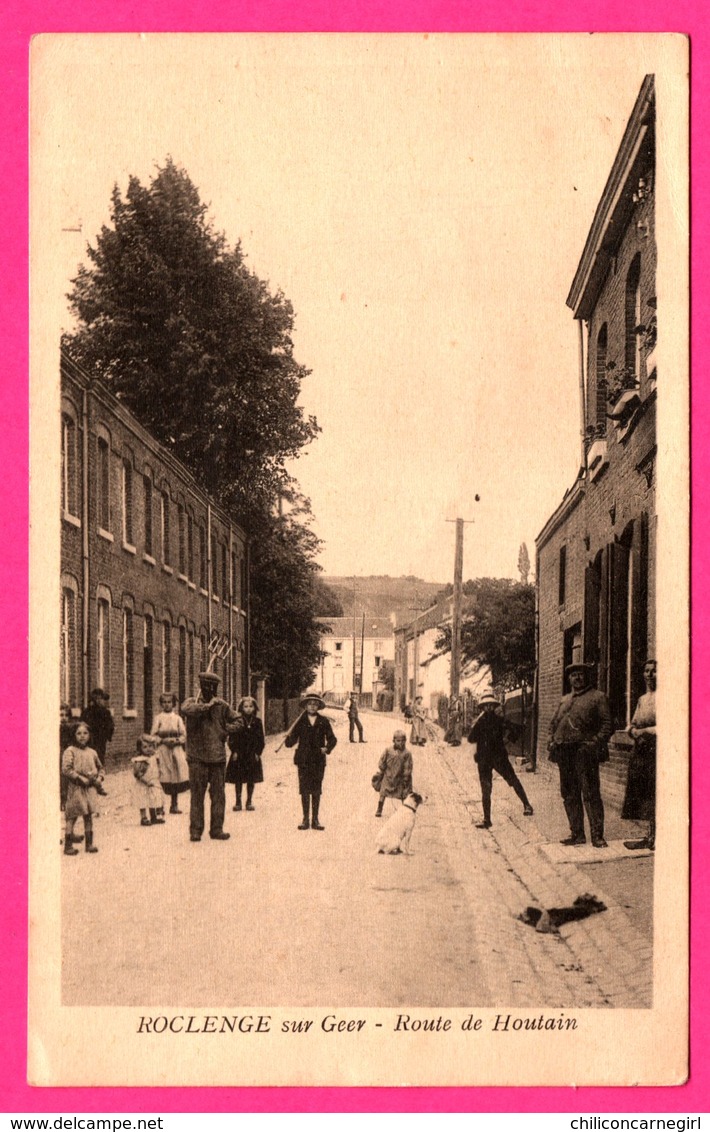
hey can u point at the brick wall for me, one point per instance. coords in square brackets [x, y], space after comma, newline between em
[148, 585]
[609, 514]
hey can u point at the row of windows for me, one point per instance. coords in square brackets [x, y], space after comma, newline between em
[228, 570]
[159, 640]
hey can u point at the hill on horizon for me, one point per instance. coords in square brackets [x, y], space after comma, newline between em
[381, 594]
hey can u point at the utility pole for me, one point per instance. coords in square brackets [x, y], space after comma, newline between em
[455, 683]
[362, 655]
[456, 616]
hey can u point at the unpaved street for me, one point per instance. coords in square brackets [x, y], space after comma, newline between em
[278, 916]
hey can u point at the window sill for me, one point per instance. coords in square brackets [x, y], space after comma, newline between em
[127, 546]
[182, 577]
[71, 519]
[149, 559]
[130, 713]
[106, 534]
[203, 591]
[215, 597]
[191, 585]
[167, 569]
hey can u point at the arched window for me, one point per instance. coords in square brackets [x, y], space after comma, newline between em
[182, 662]
[70, 467]
[103, 486]
[165, 525]
[182, 539]
[601, 378]
[127, 500]
[203, 557]
[103, 638]
[167, 656]
[190, 570]
[191, 662]
[128, 660]
[632, 341]
[215, 566]
[68, 646]
[148, 513]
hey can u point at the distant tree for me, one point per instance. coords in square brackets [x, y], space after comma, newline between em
[385, 674]
[287, 644]
[325, 599]
[197, 346]
[524, 563]
[498, 630]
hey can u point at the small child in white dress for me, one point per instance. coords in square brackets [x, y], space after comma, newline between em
[147, 792]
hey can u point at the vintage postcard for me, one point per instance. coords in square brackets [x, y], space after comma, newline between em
[359, 560]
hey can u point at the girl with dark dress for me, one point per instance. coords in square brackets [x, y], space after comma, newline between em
[246, 744]
[640, 798]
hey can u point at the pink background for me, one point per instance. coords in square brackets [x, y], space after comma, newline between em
[18, 22]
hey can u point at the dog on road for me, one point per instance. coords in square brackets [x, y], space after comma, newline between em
[396, 833]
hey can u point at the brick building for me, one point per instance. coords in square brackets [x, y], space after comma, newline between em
[151, 568]
[596, 554]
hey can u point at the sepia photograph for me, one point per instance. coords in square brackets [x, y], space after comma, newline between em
[345, 434]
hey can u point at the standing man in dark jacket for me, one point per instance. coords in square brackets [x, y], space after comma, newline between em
[314, 736]
[354, 718]
[208, 721]
[488, 733]
[98, 718]
[579, 733]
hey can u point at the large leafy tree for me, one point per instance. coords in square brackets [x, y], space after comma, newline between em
[498, 629]
[174, 322]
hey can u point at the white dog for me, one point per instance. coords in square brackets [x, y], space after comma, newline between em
[396, 833]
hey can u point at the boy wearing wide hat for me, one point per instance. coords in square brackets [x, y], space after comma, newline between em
[488, 733]
[579, 733]
[314, 736]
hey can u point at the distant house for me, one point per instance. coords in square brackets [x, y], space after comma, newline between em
[596, 553]
[420, 668]
[350, 659]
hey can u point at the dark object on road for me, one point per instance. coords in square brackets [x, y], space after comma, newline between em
[549, 919]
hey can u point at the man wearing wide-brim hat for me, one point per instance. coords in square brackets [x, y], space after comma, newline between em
[315, 738]
[579, 734]
[208, 721]
[488, 733]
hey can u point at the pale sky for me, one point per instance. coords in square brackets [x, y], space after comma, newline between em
[423, 201]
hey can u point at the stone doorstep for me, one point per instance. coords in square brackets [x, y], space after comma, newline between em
[587, 854]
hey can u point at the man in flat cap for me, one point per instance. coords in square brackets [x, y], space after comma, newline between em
[579, 733]
[208, 721]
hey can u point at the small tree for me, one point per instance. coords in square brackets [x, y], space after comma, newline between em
[524, 564]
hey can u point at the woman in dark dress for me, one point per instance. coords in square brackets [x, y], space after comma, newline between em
[246, 744]
[640, 798]
[314, 736]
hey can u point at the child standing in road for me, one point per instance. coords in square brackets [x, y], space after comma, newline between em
[147, 792]
[169, 733]
[83, 771]
[395, 773]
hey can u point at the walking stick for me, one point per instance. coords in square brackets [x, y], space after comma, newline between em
[291, 728]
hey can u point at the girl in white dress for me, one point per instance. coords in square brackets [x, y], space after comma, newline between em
[169, 733]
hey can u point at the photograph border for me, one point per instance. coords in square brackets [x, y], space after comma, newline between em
[16, 1095]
